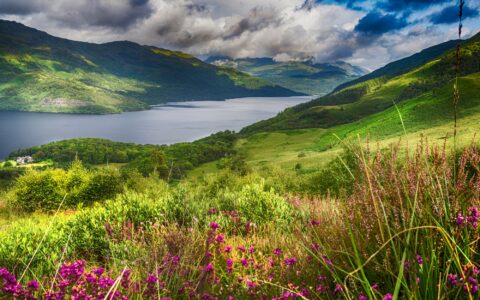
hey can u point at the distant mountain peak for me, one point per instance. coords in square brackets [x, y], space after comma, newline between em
[305, 76]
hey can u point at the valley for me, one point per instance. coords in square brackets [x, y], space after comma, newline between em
[136, 172]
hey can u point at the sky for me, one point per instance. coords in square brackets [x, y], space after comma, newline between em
[367, 33]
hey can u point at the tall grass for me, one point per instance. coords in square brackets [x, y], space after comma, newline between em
[407, 229]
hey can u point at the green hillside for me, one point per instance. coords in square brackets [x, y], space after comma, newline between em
[404, 65]
[305, 77]
[40, 72]
[431, 82]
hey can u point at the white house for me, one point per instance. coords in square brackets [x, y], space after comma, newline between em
[23, 160]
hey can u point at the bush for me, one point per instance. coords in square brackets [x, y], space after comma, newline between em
[256, 204]
[336, 179]
[45, 190]
[7, 164]
[40, 190]
[86, 232]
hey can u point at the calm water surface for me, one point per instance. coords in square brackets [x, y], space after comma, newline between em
[167, 124]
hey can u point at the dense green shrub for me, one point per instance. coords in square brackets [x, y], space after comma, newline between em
[84, 234]
[153, 162]
[40, 190]
[259, 206]
[46, 190]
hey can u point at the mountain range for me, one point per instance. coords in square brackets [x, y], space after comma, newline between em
[40, 72]
[302, 76]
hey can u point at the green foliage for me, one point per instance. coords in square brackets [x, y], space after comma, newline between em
[156, 205]
[260, 206]
[337, 178]
[172, 160]
[40, 190]
[89, 151]
[235, 163]
[7, 164]
[47, 190]
[251, 197]
[153, 162]
[85, 232]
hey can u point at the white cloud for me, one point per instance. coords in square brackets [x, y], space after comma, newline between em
[240, 28]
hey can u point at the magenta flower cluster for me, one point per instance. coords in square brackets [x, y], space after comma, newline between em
[10, 287]
[471, 220]
[468, 280]
[224, 270]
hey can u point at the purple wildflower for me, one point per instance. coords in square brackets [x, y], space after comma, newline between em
[460, 220]
[98, 271]
[321, 288]
[33, 285]
[452, 279]
[419, 259]
[290, 261]
[208, 268]
[220, 238]
[338, 289]
[251, 285]
[152, 279]
[474, 216]
[277, 252]
[229, 265]
[214, 225]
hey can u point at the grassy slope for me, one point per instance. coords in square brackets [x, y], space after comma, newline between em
[374, 95]
[424, 116]
[305, 77]
[404, 65]
[106, 78]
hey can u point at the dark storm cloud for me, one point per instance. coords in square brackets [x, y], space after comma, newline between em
[449, 15]
[258, 19]
[175, 30]
[173, 25]
[196, 8]
[105, 13]
[114, 14]
[376, 23]
[19, 7]
[136, 3]
[188, 39]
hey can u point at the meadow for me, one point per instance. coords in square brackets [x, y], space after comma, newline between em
[388, 225]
